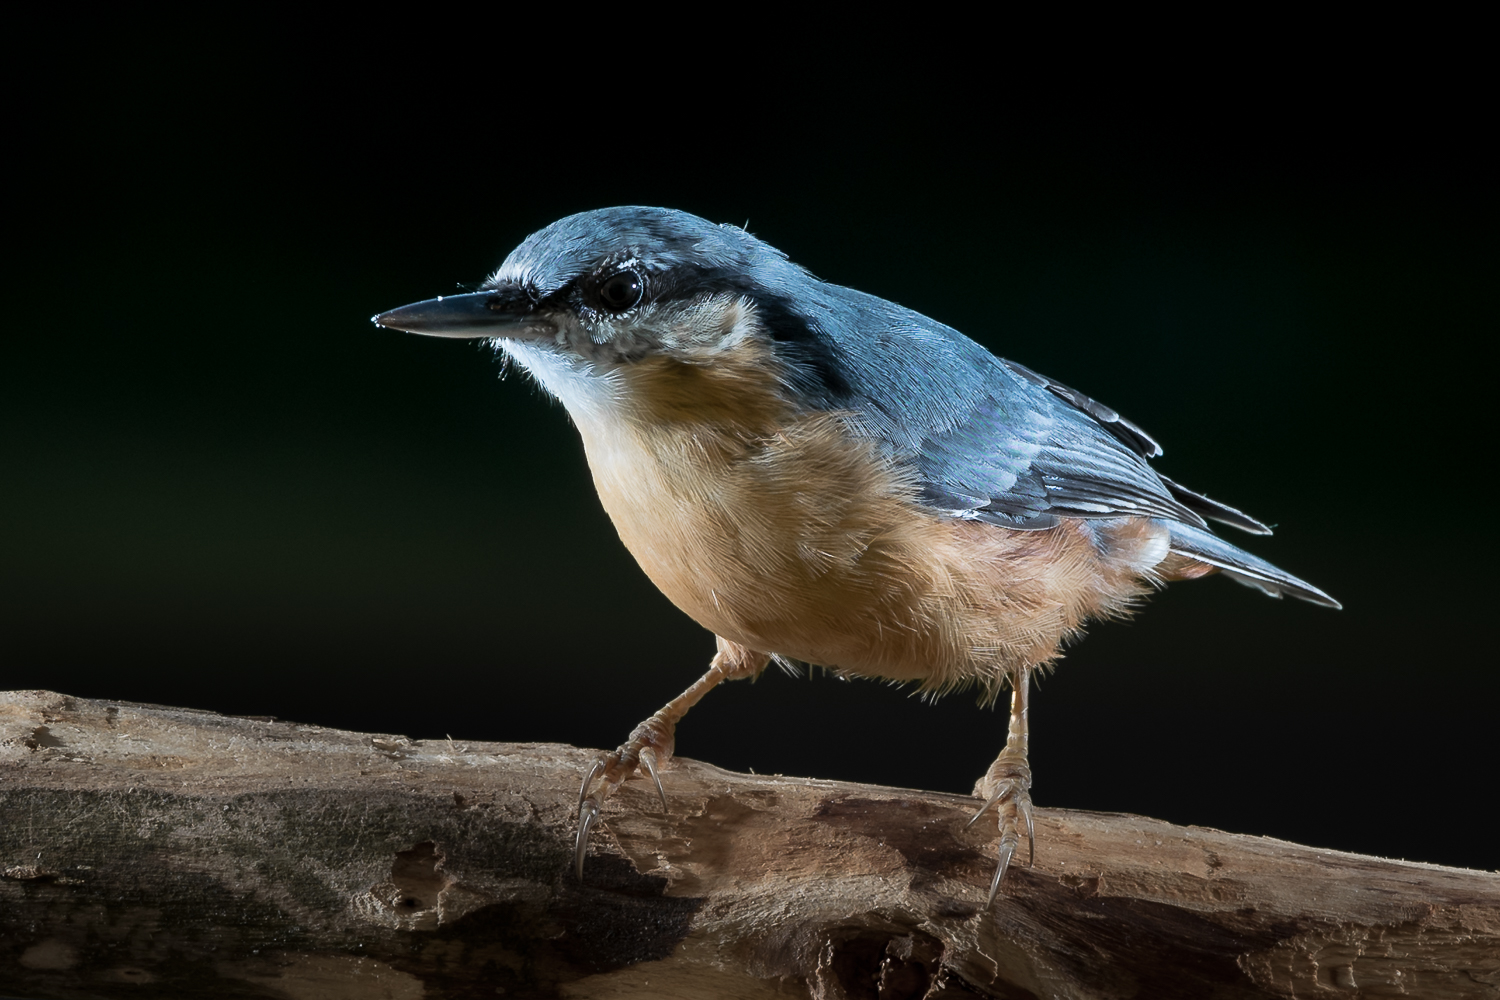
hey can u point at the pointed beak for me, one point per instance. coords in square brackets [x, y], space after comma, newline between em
[502, 313]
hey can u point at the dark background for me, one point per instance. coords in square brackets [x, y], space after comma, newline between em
[223, 488]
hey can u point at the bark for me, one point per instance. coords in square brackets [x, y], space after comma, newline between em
[151, 851]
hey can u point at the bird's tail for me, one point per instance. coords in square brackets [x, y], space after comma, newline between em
[1202, 546]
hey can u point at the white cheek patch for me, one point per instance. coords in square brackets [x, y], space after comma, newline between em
[709, 327]
[588, 392]
[582, 364]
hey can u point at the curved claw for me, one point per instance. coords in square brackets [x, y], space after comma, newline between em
[1007, 848]
[1005, 789]
[1030, 834]
[648, 760]
[588, 814]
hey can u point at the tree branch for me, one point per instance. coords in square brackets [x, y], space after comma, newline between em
[234, 857]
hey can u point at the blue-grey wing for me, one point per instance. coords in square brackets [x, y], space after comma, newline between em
[991, 439]
[1024, 453]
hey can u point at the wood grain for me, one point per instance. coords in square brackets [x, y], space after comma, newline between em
[152, 851]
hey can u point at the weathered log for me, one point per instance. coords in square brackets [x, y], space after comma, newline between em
[150, 851]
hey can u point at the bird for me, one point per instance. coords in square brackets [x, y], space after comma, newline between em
[820, 476]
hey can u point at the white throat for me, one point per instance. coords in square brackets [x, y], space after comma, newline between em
[589, 393]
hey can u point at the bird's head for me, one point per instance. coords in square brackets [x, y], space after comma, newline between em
[595, 298]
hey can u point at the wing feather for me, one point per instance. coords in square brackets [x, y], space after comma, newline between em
[991, 439]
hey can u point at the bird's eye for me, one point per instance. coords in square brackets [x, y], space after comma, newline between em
[621, 291]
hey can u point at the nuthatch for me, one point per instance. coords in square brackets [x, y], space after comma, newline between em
[819, 475]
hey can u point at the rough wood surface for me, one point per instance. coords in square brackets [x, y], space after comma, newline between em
[150, 851]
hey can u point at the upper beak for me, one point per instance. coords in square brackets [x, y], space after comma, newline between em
[477, 314]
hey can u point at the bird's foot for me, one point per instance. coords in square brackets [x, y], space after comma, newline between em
[1006, 787]
[649, 748]
[650, 745]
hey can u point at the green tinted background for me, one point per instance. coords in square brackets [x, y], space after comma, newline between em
[223, 488]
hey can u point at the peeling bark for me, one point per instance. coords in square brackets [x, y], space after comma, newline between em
[150, 851]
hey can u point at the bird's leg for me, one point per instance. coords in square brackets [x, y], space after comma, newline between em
[1007, 784]
[651, 743]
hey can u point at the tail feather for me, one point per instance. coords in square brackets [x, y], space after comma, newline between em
[1241, 566]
